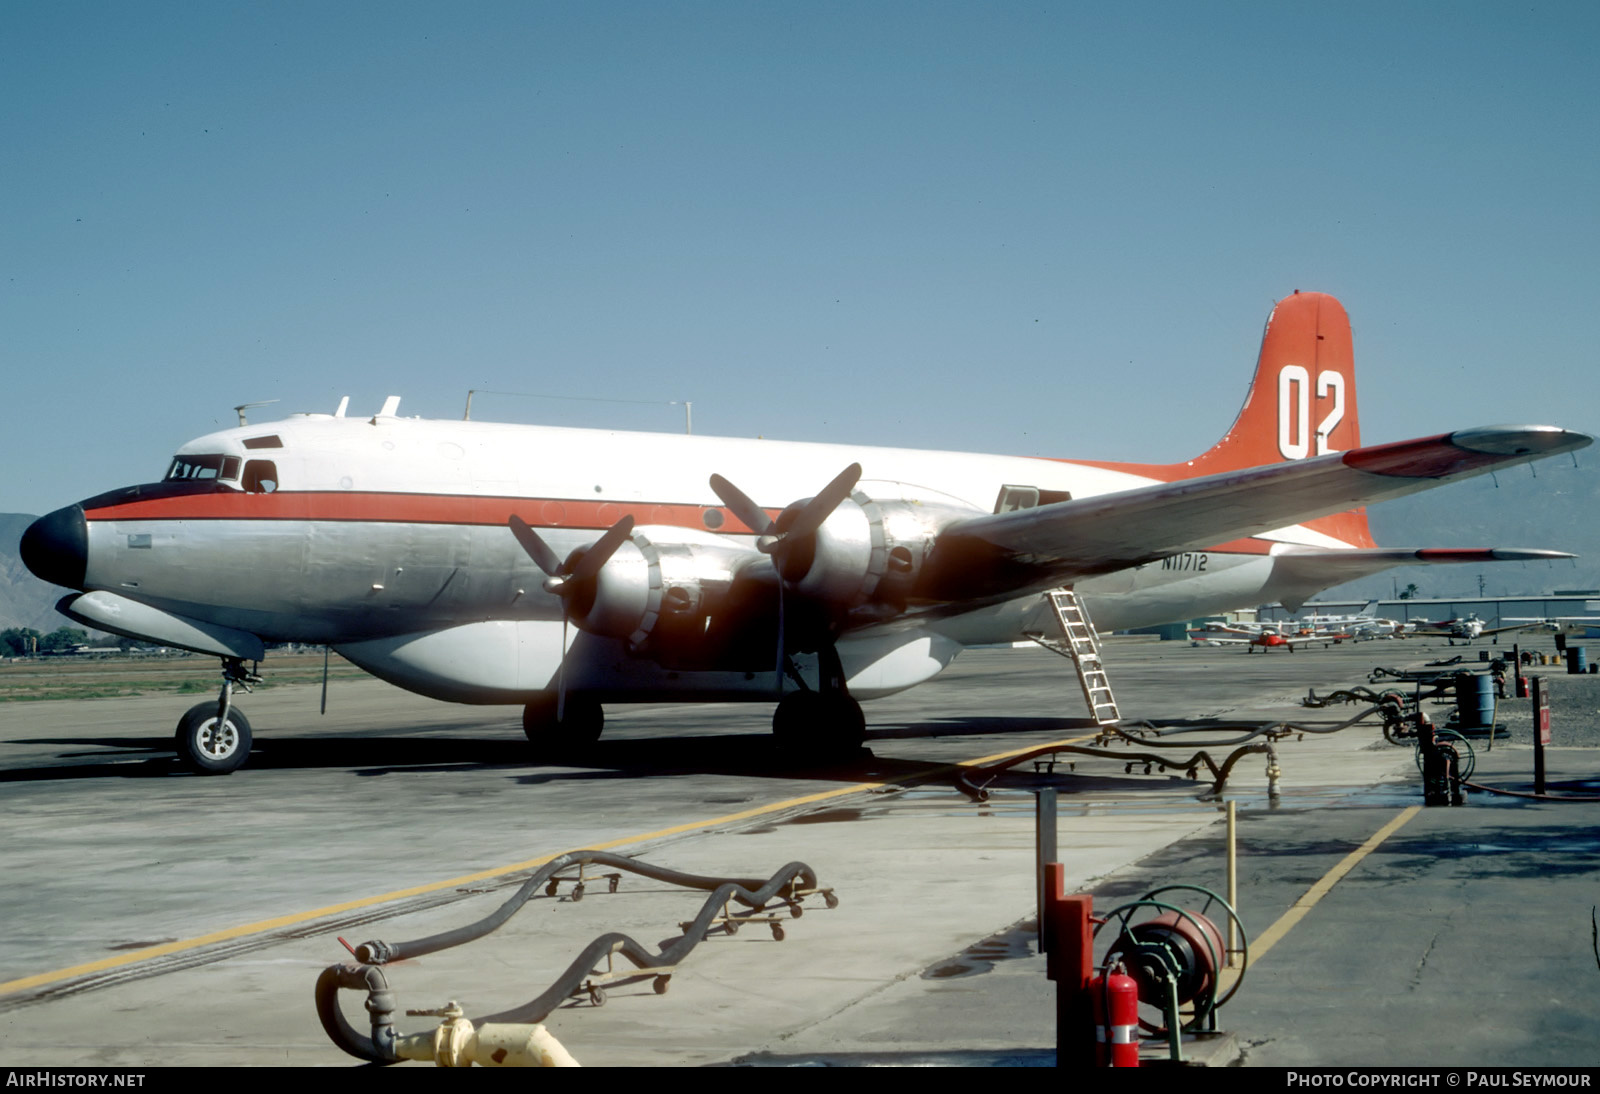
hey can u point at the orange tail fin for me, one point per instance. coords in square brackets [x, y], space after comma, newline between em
[1302, 402]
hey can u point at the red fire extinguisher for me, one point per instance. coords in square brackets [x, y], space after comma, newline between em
[1119, 1039]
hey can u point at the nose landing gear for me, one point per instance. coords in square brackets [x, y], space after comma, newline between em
[214, 738]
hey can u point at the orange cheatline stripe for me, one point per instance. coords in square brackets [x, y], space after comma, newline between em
[413, 508]
[229, 934]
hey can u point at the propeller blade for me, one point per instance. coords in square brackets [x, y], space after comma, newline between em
[819, 508]
[754, 517]
[598, 555]
[561, 671]
[777, 683]
[538, 550]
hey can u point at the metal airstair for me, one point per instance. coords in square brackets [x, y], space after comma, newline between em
[1079, 643]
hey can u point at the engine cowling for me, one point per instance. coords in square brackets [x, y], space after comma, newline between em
[663, 577]
[868, 551]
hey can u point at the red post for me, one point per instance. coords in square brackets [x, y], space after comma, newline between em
[1068, 939]
[1541, 731]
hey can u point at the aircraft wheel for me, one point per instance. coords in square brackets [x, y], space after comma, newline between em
[582, 722]
[818, 725]
[204, 748]
[792, 721]
[846, 726]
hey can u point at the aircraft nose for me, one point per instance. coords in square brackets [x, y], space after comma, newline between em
[56, 547]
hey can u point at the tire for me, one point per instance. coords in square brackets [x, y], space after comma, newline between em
[205, 751]
[846, 727]
[818, 726]
[584, 719]
[794, 720]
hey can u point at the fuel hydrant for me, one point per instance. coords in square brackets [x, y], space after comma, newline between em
[457, 1043]
[1441, 766]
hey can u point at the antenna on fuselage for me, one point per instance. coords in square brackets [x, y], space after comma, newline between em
[242, 407]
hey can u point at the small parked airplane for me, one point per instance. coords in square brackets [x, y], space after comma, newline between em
[1465, 629]
[562, 569]
[1583, 626]
[1266, 636]
[1359, 625]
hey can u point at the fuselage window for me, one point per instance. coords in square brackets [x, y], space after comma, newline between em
[260, 476]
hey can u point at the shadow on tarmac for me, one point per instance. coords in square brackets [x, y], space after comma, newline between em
[756, 754]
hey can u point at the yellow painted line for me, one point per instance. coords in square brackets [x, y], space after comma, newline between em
[133, 957]
[1287, 921]
[981, 760]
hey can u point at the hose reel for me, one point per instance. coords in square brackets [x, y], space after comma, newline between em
[1181, 960]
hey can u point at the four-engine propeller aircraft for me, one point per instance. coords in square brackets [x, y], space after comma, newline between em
[562, 569]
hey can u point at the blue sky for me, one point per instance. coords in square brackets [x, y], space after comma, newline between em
[1036, 229]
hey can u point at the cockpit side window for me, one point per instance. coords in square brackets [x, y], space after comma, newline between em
[260, 476]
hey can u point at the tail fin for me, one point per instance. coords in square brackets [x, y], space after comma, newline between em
[1301, 402]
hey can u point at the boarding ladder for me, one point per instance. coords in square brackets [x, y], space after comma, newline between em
[1079, 643]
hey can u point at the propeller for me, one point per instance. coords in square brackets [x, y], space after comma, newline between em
[574, 579]
[754, 517]
[795, 524]
[790, 537]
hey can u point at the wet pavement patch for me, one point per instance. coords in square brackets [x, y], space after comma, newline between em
[981, 957]
[827, 816]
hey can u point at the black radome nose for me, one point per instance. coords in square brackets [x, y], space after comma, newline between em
[56, 547]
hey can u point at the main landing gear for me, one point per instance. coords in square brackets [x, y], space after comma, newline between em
[214, 738]
[581, 721]
[826, 724]
[819, 724]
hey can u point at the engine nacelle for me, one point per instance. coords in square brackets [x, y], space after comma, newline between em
[869, 550]
[663, 576]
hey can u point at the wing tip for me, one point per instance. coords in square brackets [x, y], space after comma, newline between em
[1520, 440]
[1466, 451]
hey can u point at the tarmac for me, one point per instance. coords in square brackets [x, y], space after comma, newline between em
[1463, 938]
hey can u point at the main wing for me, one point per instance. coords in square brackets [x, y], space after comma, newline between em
[1011, 554]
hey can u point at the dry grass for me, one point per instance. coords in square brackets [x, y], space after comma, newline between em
[115, 677]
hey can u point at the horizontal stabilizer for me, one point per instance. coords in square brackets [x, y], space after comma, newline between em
[1056, 544]
[1300, 572]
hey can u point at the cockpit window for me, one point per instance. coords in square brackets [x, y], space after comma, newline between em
[195, 468]
[203, 469]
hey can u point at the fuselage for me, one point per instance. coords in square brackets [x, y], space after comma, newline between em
[375, 535]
